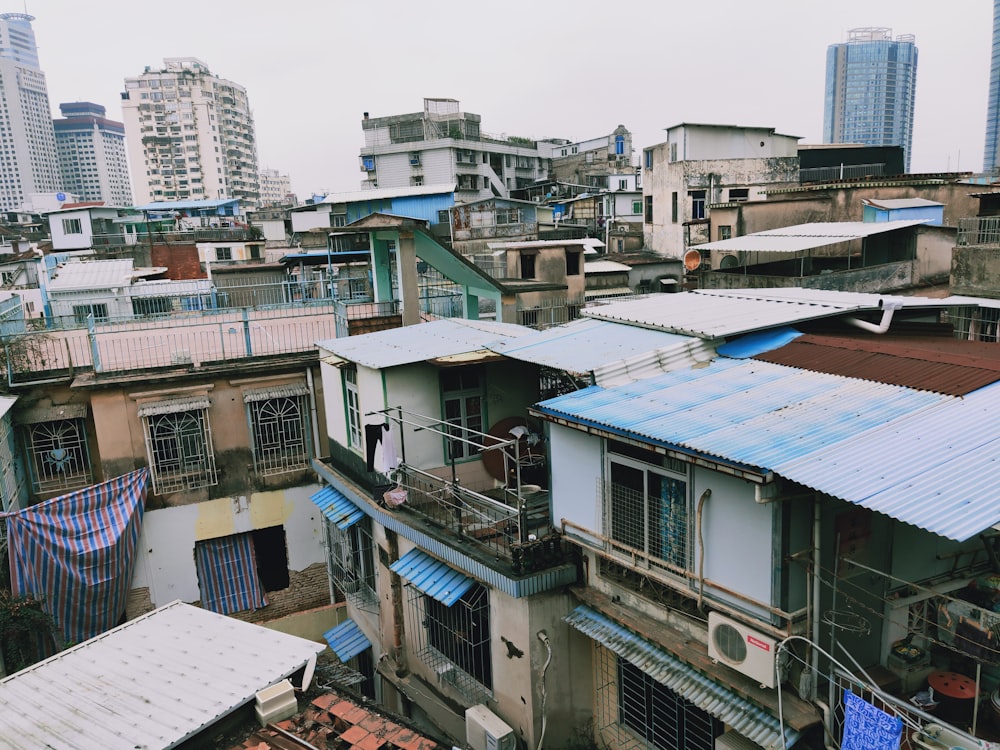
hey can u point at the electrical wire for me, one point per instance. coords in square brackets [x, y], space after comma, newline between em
[544, 638]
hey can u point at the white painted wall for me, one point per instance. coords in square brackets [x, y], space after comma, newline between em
[318, 216]
[165, 562]
[697, 143]
[577, 468]
[63, 241]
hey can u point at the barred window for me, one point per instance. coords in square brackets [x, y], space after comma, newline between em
[279, 434]
[59, 456]
[179, 445]
[352, 563]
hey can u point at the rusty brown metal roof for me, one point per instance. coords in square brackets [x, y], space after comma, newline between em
[941, 365]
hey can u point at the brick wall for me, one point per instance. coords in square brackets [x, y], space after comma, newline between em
[181, 261]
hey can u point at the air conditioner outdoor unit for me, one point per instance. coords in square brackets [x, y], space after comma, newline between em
[734, 741]
[734, 644]
[484, 730]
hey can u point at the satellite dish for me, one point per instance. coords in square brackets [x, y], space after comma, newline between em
[729, 261]
[692, 260]
[60, 197]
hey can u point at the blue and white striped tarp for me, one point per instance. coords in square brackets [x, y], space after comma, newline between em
[76, 553]
[227, 574]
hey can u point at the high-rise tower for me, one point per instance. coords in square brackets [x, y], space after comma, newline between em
[190, 135]
[92, 154]
[871, 80]
[991, 159]
[27, 139]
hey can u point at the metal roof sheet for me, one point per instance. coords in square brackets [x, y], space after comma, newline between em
[739, 713]
[285, 390]
[91, 274]
[432, 577]
[604, 266]
[891, 204]
[174, 405]
[806, 236]
[346, 640]
[337, 507]
[844, 300]
[153, 682]
[422, 342]
[943, 365]
[709, 315]
[376, 194]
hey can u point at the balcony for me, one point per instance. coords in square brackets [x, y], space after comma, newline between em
[978, 231]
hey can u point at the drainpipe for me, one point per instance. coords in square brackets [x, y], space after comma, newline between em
[317, 448]
[888, 308]
[397, 606]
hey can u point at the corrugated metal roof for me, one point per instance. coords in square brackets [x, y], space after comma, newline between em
[275, 391]
[423, 342]
[174, 405]
[604, 266]
[757, 343]
[585, 345]
[432, 577]
[891, 204]
[709, 315]
[153, 682]
[937, 468]
[807, 236]
[346, 640]
[941, 365]
[742, 715]
[92, 274]
[337, 507]
[377, 194]
[845, 300]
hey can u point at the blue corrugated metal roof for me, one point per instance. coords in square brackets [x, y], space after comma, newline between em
[432, 577]
[757, 343]
[745, 717]
[337, 507]
[346, 640]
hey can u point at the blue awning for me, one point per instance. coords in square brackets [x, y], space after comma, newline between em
[346, 640]
[337, 507]
[432, 577]
[745, 717]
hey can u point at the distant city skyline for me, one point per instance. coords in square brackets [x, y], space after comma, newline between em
[310, 83]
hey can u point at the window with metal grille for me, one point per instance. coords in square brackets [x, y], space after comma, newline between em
[353, 407]
[454, 641]
[647, 505]
[82, 312]
[352, 563]
[179, 450]
[59, 456]
[463, 394]
[278, 428]
[223, 253]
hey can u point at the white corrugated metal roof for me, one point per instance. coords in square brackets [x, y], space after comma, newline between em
[421, 342]
[376, 194]
[894, 203]
[92, 274]
[604, 266]
[711, 315]
[153, 682]
[806, 236]
[847, 300]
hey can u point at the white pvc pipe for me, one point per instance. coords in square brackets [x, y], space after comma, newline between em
[888, 308]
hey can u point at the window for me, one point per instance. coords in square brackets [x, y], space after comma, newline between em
[353, 406]
[338, 220]
[725, 231]
[151, 305]
[58, 455]
[72, 226]
[673, 152]
[648, 218]
[647, 505]
[673, 207]
[739, 194]
[179, 445]
[81, 313]
[697, 203]
[353, 563]
[228, 573]
[527, 265]
[619, 146]
[278, 429]
[223, 253]
[623, 184]
[648, 158]
[508, 216]
[463, 395]
[573, 264]
[444, 217]
[254, 252]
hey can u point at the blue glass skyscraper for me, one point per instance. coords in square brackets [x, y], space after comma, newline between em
[991, 159]
[871, 81]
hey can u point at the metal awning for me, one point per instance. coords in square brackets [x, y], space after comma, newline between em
[745, 717]
[432, 577]
[346, 640]
[173, 406]
[53, 413]
[337, 507]
[275, 391]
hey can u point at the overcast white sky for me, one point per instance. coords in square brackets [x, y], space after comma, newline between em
[547, 68]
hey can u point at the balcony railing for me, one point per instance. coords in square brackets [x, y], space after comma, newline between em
[978, 231]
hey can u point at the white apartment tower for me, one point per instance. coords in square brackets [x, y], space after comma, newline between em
[275, 188]
[92, 154]
[28, 161]
[190, 135]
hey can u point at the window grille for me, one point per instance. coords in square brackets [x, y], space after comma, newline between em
[352, 563]
[635, 711]
[279, 432]
[179, 449]
[454, 642]
[59, 456]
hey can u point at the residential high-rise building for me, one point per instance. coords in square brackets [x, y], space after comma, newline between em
[190, 135]
[991, 160]
[275, 188]
[871, 81]
[92, 155]
[27, 138]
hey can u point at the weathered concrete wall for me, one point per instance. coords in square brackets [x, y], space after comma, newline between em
[976, 271]
[875, 279]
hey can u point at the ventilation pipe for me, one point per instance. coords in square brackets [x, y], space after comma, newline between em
[888, 308]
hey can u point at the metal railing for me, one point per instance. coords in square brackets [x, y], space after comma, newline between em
[978, 230]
